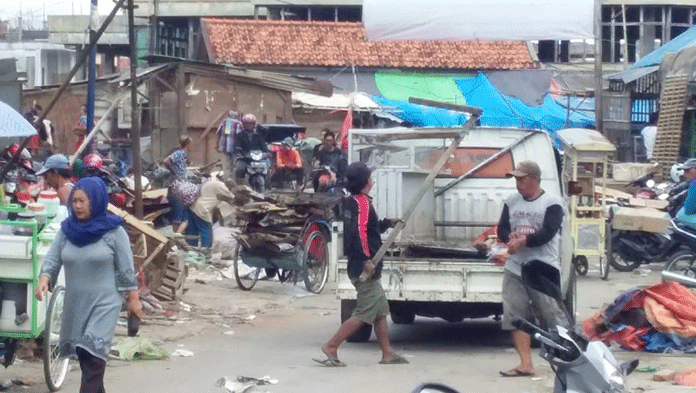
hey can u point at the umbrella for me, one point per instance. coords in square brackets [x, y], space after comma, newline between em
[13, 124]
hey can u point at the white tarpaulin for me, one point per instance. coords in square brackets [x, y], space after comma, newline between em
[335, 102]
[464, 20]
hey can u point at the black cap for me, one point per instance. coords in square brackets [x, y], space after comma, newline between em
[357, 175]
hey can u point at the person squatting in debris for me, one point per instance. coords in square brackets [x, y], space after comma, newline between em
[361, 242]
[177, 162]
[95, 251]
[530, 224]
[57, 174]
[200, 213]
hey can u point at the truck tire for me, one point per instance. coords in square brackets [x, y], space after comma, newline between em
[570, 300]
[363, 334]
[403, 318]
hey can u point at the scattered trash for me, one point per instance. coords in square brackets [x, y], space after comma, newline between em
[193, 258]
[137, 348]
[647, 369]
[250, 317]
[686, 378]
[643, 272]
[243, 384]
[229, 333]
[664, 375]
[185, 307]
[228, 273]
[23, 382]
[6, 384]
[184, 353]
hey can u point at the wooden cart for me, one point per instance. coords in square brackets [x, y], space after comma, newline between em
[586, 156]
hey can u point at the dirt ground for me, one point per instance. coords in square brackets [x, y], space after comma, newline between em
[275, 329]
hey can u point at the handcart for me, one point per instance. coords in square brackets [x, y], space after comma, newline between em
[22, 316]
[585, 159]
[308, 260]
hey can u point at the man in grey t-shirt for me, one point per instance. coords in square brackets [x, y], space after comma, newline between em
[530, 224]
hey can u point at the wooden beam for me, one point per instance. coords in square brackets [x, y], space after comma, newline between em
[453, 107]
[211, 124]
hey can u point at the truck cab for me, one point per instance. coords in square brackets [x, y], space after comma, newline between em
[433, 269]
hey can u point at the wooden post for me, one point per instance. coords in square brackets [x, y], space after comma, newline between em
[599, 94]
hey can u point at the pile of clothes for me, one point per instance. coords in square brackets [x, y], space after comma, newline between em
[660, 318]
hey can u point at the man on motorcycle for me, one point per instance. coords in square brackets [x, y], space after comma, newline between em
[328, 156]
[246, 141]
[288, 163]
[687, 214]
[56, 172]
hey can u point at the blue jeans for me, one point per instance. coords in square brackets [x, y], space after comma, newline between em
[177, 209]
[201, 228]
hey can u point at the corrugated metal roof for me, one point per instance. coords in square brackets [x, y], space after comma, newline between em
[574, 82]
[683, 40]
[13, 124]
[632, 74]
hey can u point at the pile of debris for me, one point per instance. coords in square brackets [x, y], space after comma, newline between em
[275, 222]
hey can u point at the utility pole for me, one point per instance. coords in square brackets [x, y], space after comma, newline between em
[599, 118]
[135, 120]
[92, 69]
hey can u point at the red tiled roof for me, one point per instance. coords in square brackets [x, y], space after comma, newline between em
[299, 43]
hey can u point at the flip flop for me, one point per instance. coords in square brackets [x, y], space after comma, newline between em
[330, 362]
[397, 360]
[516, 373]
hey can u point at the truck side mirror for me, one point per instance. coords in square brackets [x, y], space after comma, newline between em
[574, 188]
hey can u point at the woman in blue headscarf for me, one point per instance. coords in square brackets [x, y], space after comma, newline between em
[95, 251]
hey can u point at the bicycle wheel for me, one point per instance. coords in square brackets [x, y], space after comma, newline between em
[246, 276]
[316, 261]
[55, 367]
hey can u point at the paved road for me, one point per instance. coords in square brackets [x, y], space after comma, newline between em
[288, 331]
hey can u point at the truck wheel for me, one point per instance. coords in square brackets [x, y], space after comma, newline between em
[403, 318]
[571, 297]
[363, 334]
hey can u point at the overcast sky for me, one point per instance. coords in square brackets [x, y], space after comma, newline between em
[33, 11]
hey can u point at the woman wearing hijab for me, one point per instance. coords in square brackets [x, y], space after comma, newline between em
[94, 248]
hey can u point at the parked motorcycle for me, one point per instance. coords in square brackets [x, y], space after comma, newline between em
[684, 261]
[628, 249]
[581, 366]
[257, 167]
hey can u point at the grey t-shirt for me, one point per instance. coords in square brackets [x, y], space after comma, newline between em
[528, 217]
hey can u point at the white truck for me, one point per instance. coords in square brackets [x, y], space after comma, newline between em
[433, 270]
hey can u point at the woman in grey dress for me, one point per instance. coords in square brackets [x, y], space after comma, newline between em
[95, 251]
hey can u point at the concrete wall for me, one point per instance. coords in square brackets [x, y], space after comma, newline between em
[44, 63]
[145, 8]
[317, 119]
[71, 29]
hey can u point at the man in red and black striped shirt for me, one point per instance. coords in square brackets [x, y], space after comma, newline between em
[362, 239]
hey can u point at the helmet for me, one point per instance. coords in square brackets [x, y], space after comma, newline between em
[249, 118]
[93, 161]
[676, 172]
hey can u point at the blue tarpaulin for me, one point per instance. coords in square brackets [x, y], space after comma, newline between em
[499, 110]
[683, 40]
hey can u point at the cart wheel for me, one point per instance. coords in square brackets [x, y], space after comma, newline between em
[603, 268]
[55, 367]
[316, 264]
[581, 264]
[245, 281]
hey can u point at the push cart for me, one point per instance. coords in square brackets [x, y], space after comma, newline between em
[22, 316]
[586, 155]
[307, 260]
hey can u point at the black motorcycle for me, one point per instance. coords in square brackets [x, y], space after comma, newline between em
[627, 250]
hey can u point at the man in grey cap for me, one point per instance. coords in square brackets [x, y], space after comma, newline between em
[530, 224]
[56, 172]
[687, 214]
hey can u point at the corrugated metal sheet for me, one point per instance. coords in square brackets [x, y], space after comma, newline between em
[13, 124]
[683, 40]
[632, 74]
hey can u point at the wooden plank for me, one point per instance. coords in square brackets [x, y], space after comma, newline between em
[140, 225]
[444, 105]
[152, 256]
[155, 194]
